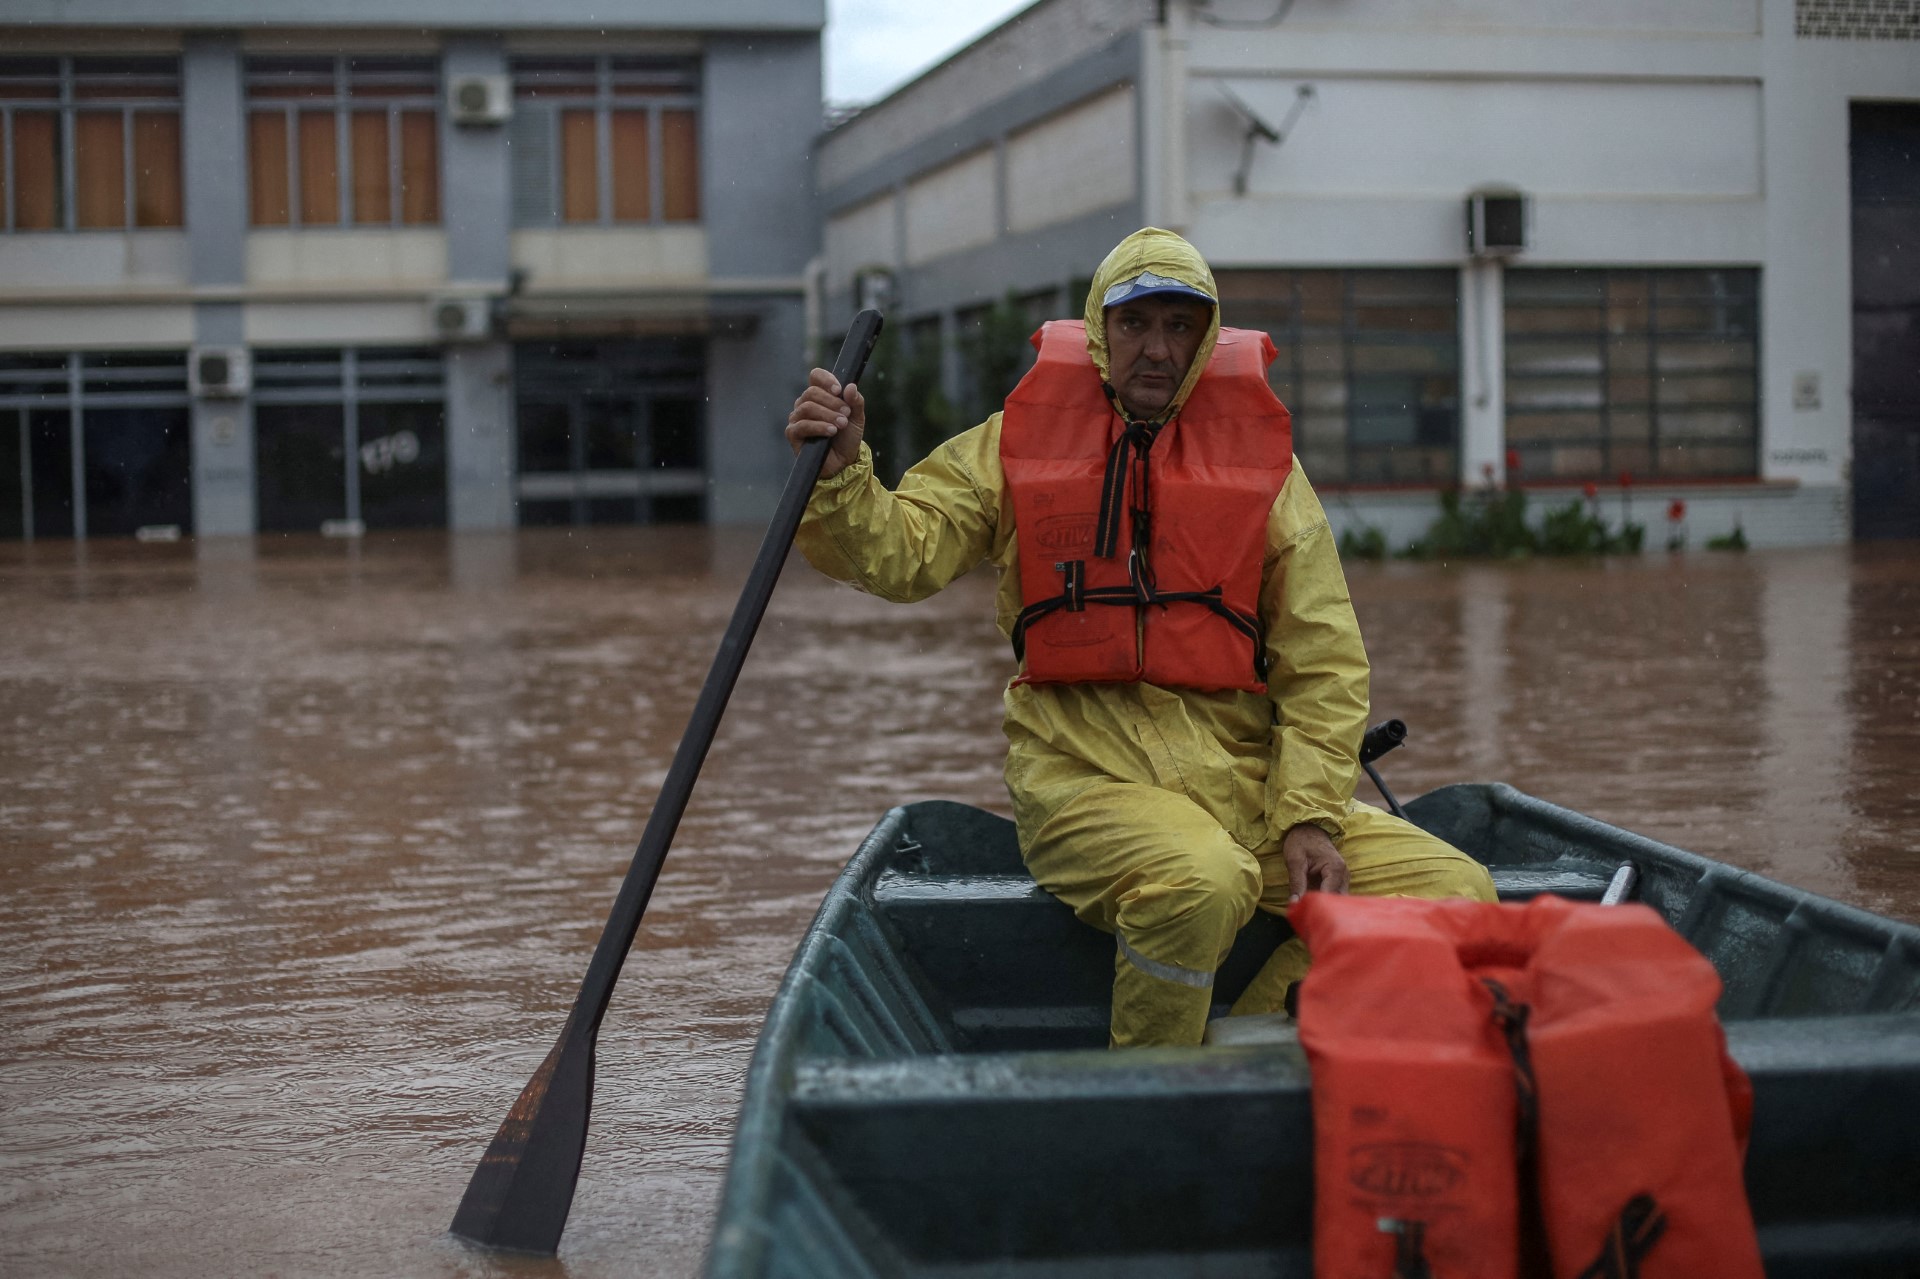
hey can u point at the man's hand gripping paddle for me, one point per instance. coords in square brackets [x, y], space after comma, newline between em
[520, 1194]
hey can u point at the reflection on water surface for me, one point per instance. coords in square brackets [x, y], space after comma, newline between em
[305, 844]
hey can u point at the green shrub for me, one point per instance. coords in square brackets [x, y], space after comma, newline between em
[908, 415]
[1734, 541]
[1367, 542]
[1492, 524]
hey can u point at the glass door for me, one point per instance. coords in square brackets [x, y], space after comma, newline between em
[300, 469]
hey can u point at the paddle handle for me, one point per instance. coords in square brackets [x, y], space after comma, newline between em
[642, 873]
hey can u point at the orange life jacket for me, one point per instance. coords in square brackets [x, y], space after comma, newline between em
[1141, 546]
[1519, 1090]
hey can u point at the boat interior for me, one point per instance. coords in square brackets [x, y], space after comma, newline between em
[933, 1096]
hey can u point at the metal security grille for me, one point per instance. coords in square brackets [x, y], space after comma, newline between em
[605, 140]
[94, 443]
[347, 440]
[1369, 365]
[1647, 372]
[1857, 19]
[611, 432]
[90, 143]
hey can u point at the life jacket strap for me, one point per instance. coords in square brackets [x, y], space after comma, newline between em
[1638, 1228]
[1511, 1016]
[1409, 1248]
[1076, 595]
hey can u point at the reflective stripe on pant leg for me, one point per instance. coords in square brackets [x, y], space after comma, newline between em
[1165, 972]
[1158, 871]
[1150, 1011]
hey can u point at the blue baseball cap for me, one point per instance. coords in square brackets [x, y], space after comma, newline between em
[1147, 284]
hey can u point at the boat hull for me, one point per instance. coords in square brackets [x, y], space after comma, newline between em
[931, 1094]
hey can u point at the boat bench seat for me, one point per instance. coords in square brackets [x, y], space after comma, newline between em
[974, 937]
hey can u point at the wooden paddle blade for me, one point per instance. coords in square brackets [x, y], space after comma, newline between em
[520, 1194]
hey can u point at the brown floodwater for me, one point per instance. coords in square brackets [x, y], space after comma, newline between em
[304, 844]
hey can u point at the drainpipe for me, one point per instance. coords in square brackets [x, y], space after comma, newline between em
[815, 276]
[1173, 117]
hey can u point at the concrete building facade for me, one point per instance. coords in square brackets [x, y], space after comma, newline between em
[1702, 284]
[353, 265]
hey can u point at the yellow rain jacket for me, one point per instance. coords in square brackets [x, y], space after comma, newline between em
[1157, 814]
[1258, 765]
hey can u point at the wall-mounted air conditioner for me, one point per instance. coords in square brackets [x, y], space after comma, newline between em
[219, 372]
[1496, 222]
[461, 319]
[873, 289]
[479, 99]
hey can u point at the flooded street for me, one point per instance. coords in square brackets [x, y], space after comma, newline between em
[304, 844]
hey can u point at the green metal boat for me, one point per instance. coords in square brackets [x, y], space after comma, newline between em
[932, 1095]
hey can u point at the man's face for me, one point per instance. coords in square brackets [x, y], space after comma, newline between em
[1151, 343]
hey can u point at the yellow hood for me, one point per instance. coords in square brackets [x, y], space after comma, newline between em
[1163, 253]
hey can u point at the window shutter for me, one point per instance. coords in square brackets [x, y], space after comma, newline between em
[530, 140]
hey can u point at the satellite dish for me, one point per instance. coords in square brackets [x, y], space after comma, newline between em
[1258, 128]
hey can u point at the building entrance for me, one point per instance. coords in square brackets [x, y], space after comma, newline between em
[611, 432]
[1886, 319]
[350, 440]
[95, 444]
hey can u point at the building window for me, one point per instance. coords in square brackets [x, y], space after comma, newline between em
[94, 443]
[346, 440]
[599, 141]
[343, 141]
[1369, 365]
[1646, 372]
[611, 432]
[90, 143]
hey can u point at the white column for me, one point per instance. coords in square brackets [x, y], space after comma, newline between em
[1165, 199]
[1483, 400]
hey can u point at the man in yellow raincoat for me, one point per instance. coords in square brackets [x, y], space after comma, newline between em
[1163, 815]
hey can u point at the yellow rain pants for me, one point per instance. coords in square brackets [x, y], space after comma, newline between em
[1157, 813]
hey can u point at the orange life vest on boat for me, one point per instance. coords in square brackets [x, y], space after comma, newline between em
[1141, 547]
[1519, 1090]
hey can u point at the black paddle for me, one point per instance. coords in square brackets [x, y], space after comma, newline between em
[520, 1194]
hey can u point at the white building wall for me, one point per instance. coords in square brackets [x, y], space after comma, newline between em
[1806, 306]
[58, 326]
[1582, 17]
[321, 259]
[601, 259]
[1074, 162]
[1644, 132]
[1696, 132]
[955, 207]
[867, 235]
[112, 263]
[1023, 51]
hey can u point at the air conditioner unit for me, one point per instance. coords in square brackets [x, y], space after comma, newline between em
[479, 99]
[461, 319]
[219, 372]
[1496, 223]
[873, 289]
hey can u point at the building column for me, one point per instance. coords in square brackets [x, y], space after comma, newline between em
[760, 111]
[213, 129]
[477, 179]
[480, 462]
[1483, 372]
